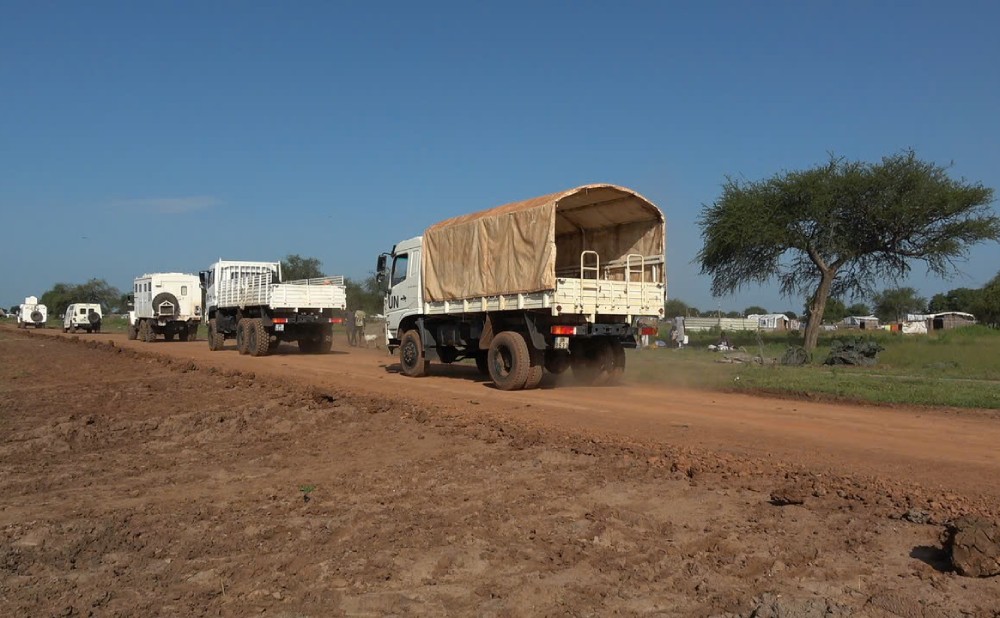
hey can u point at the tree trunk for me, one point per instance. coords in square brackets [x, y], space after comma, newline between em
[816, 308]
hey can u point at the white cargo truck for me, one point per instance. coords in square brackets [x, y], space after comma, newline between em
[167, 304]
[249, 302]
[85, 316]
[564, 280]
[32, 314]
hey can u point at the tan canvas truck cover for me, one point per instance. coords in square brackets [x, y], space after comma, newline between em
[519, 247]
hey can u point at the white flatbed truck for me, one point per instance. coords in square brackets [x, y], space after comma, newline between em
[249, 302]
[565, 280]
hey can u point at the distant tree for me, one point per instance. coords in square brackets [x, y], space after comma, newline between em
[859, 309]
[734, 314]
[792, 315]
[58, 298]
[987, 307]
[295, 267]
[674, 308]
[755, 310]
[836, 311]
[98, 291]
[841, 228]
[959, 299]
[366, 295]
[893, 305]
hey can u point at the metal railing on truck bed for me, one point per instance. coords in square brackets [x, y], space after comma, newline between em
[258, 290]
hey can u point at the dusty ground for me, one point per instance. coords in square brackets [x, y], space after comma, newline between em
[146, 479]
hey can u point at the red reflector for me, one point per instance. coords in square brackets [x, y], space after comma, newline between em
[279, 320]
[647, 330]
[336, 320]
[563, 330]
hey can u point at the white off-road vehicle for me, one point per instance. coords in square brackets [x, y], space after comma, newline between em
[85, 316]
[167, 304]
[32, 314]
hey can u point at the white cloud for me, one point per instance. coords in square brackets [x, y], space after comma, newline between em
[170, 205]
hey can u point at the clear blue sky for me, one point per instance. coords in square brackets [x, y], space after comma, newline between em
[139, 136]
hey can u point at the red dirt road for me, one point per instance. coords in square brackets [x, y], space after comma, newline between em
[943, 452]
[163, 479]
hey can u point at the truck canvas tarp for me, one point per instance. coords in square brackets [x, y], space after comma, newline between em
[522, 247]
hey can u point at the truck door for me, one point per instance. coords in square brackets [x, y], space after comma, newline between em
[404, 289]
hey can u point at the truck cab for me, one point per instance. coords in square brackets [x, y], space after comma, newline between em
[400, 270]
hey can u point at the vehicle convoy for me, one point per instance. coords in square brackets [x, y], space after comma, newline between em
[167, 304]
[86, 316]
[32, 314]
[249, 301]
[564, 280]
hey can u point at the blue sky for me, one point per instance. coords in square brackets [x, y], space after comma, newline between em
[141, 136]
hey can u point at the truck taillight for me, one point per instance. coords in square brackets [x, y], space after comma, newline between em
[336, 320]
[648, 330]
[563, 330]
[279, 320]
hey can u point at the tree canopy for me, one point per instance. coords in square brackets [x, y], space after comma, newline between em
[893, 305]
[755, 310]
[62, 295]
[840, 228]
[294, 267]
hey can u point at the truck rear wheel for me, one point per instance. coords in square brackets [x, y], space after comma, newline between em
[241, 336]
[556, 361]
[483, 362]
[411, 355]
[509, 361]
[146, 332]
[216, 340]
[131, 333]
[617, 371]
[257, 338]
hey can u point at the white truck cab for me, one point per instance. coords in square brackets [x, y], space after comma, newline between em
[404, 297]
[85, 316]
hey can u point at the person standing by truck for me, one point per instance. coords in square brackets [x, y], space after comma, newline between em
[349, 327]
[359, 327]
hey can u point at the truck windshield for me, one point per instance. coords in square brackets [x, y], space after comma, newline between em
[399, 265]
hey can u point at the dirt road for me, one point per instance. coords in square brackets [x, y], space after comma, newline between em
[941, 451]
[164, 479]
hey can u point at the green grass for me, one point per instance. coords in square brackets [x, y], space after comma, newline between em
[958, 368]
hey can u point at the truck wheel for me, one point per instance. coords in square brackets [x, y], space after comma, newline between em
[411, 355]
[257, 338]
[192, 332]
[131, 333]
[97, 327]
[617, 372]
[168, 336]
[483, 362]
[594, 365]
[272, 345]
[556, 361]
[510, 361]
[241, 336]
[216, 340]
[182, 334]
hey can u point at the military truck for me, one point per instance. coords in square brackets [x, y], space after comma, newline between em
[249, 302]
[165, 304]
[566, 280]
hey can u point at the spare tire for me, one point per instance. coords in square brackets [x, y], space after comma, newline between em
[93, 317]
[165, 297]
[36, 316]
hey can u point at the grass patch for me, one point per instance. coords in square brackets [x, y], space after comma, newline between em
[957, 368]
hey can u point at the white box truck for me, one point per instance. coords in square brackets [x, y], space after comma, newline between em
[564, 280]
[167, 304]
[249, 302]
[32, 314]
[83, 316]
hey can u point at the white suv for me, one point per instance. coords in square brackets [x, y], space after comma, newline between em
[83, 315]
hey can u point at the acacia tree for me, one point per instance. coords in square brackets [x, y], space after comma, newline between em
[840, 228]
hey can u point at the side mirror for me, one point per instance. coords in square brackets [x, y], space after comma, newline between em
[203, 277]
[380, 266]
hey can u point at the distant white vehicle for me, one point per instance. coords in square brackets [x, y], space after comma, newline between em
[86, 316]
[167, 304]
[32, 314]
